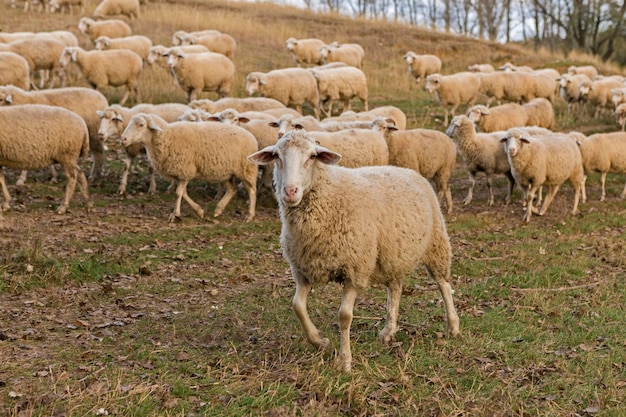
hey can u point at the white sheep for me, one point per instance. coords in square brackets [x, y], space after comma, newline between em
[589, 70]
[113, 28]
[83, 101]
[177, 37]
[115, 68]
[598, 94]
[305, 51]
[454, 90]
[337, 226]
[42, 54]
[538, 160]
[481, 152]
[603, 153]
[341, 84]
[184, 151]
[206, 71]
[548, 72]
[288, 122]
[62, 5]
[539, 112]
[569, 86]
[421, 66]
[240, 104]
[493, 119]
[221, 43]
[358, 147]
[481, 68]
[516, 87]
[387, 112]
[108, 8]
[159, 53]
[620, 115]
[36, 136]
[14, 70]
[290, 86]
[139, 44]
[509, 67]
[429, 152]
[351, 54]
[618, 96]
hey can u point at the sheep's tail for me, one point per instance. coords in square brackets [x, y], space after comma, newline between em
[84, 150]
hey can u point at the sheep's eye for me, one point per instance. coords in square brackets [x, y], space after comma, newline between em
[313, 156]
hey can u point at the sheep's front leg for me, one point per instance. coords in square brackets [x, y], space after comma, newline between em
[583, 184]
[490, 189]
[623, 194]
[124, 181]
[181, 188]
[303, 287]
[345, 321]
[195, 206]
[602, 182]
[470, 191]
[231, 190]
[551, 193]
[153, 185]
[530, 196]
[394, 291]
[72, 174]
[5, 192]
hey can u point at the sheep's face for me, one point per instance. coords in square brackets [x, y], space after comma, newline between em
[68, 55]
[432, 83]
[140, 129]
[253, 84]
[513, 142]
[111, 125]
[174, 59]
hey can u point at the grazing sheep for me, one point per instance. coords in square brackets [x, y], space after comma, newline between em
[184, 151]
[220, 43]
[429, 152]
[206, 71]
[620, 115]
[14, 70]
[42, 54]
[305, 51]
[481, 152]
[481, 68]
[107, 8]
[36, 136]
[540, 112]
[115, 68]
[337, 226]
[62, 5]
[421, 66]
[137, 43]
[237, 103]
[454, 90]
[387, 112]
[83, 101]
[113, 28]
[290, 86]
[598, 94]
[342, 84]
[115, 118]
[497, 118]
[603, 153]
[351, 54]
[538, 160]
[570, 90]
[177, 37]
[589, 70]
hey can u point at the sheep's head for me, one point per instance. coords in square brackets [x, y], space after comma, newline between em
[69, 54]
[433, 81]
[254, 81]
[477, 112]
[291, 44]
[514, 140]
[175, 56]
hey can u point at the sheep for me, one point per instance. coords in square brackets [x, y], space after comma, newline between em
[137, 43]
[603, 153]
[548, 72]
[305, 51]
[288, 122]
[62, 5]
[115, 118]
[509, 67]
[237, 103]
[177, 37]
[539, 112]
[221, 43]
[388, 112]
[184, 151]
[341, 84]
[83, 101]
[540, 86]
[290, 86]
[158, 53]
[598, 93]
[620, 114]
[429, 152]
[454, 90]
[41, 53]
[116, 67]
[35, 136]
[358, 147]
[589, 70]
[481, 152]
[497, 118]
[538, 160]
[481, 68]
[421, 66]
[351, 54]
[337, 226]
[206, 71]
[107, 8]
[113, 28]
[514, 86]
[569, 86]
[618, 96]
[14, 70]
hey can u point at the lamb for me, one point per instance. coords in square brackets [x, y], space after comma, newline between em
[603, 153]
[454, 90]
[177, 37]
[113, 28]
[429, 152]
[388, 112]
[62, 5]
[351, 54]
[589, 70]
[207, 71]
[137, 43]
[14, 70]
[421, 66]
[598, 93]
[570, 90]
[42, 54]
[538, 160]
[497, 118]
[481, 152]
[115, 118]
[481, 68]
[290, 86]
[341, 84]
[221, 43]
[184, 151]
[108, 8]
[540, 112]
[83, 101]
[620, 114]
[116, 67]
[36, 136]
[305, 51]
[337, 226]
[239, 104]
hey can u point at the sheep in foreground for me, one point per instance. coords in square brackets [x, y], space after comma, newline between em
[481, 152]
[497, 118]
[137, 43]
[305, 51]
[603, 153]
[184, 151]
[337, 226]
[240, 104]
[454, 90]
[14, 70]
[36, 136]
[220, 43]
[538, 160]
[341, 84]
[421, 66]
[620, 114]
[108, 8]
[291, 86]
[429, 152]
[540, 113]
[113, 28]
[115, 68]
[207, 71]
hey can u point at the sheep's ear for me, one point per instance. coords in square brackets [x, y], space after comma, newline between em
[392, 127]
[485, 111]
[213, 119]
[327, 156]
[262, 81]
[523, 139]
[154, 126]
[504, 139]
[273, 124]
[298, 126]
[243, 119]
[100, 113]
[8, 99]
[264, 156]
[118, 118]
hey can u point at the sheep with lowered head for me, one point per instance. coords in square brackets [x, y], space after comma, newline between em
[177, 37]
[589, 70]
[185, 151]
[497, 118]
[337, 226]
[139, 44]
[14, 70]
[388, 112]
[421, 66]
[220, 43]
[454, 90]
[305, 51]
[481, 68]
[113, 28]
[108, 8]
[351, 54]
[238, 103]
[340, 84]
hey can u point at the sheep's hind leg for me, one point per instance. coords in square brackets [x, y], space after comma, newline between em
[470, 191]
[230, 192]
[5, 192]
[303, 287]
[84, 187]
[195, 206]
[345, 322]
[546, 203]
[394, 291]
[439, 269]
[72, 175]
[181, 188]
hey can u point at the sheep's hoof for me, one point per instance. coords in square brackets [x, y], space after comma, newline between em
[174, 218]
[62, 210]
[324, 344]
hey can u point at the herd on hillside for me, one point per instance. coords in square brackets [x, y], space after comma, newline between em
[510, 134]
